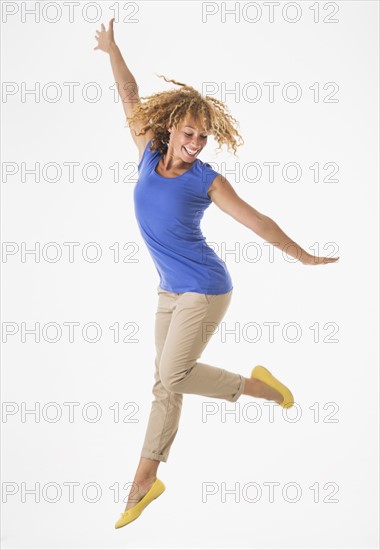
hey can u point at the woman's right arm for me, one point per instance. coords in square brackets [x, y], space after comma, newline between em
[126, 83]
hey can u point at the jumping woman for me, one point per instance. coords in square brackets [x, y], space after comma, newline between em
[174, 188]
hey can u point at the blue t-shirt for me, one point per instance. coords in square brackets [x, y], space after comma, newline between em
[168, 213]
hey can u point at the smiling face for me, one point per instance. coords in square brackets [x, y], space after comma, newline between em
[188, 139]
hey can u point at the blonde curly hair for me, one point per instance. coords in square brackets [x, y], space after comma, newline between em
[165, 109]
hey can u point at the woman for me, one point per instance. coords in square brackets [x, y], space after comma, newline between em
[173, 190]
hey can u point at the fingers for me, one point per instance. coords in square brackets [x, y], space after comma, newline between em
[327, 260]
[110, 25]
[319, 260]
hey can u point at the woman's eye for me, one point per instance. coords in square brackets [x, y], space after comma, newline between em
[186, 134]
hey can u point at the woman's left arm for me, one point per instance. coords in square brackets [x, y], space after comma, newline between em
[225, 197]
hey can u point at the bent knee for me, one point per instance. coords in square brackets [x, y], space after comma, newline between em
[171, 379]
[168, 381]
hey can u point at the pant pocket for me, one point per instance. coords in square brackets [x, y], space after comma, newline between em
[209, 297]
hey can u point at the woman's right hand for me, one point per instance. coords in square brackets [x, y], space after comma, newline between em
[105, 38]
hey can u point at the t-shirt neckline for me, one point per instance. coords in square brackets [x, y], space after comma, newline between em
[175, 177]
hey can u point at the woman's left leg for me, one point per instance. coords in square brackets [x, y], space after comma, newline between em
[194, 321]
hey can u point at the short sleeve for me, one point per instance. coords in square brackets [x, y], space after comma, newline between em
[145, 153]
[208, 176]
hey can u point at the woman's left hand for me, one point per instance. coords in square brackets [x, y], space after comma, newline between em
[316, 260]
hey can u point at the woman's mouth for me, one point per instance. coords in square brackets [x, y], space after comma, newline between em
[191, 152]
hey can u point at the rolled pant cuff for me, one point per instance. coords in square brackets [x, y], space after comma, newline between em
[154, 456]
[240, 390]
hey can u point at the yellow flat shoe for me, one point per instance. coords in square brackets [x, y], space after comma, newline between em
[133, 513]
[263, 374]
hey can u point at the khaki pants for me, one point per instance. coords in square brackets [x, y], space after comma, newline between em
[184, 324]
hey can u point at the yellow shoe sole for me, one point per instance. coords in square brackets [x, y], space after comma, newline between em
[263, 374]
[133, 513]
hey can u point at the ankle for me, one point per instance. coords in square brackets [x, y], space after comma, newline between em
[144, 478]
[254, 388]
[250, 387]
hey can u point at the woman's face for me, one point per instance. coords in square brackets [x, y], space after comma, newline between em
[188, 139]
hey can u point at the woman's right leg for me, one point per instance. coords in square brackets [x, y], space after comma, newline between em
[165, 411]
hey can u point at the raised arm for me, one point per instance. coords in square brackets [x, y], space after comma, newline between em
[225, 197]
[126, 82]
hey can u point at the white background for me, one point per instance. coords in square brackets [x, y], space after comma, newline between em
[170, 38]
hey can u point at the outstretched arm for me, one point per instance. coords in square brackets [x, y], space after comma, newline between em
[126, 82]
[225, 197]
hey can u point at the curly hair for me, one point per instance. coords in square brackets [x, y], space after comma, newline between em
[165, 109]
